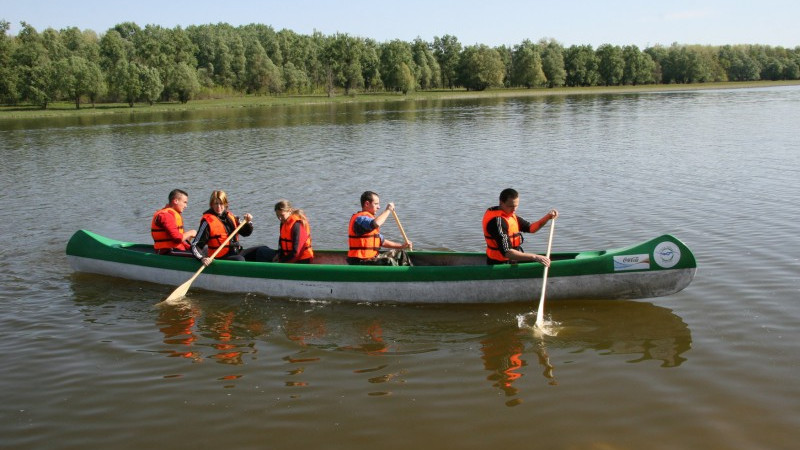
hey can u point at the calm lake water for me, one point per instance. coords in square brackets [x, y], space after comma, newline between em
[89, 362]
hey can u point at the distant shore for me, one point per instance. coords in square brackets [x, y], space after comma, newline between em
[66, 109]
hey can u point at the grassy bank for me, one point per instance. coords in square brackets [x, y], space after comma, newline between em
[62, 109]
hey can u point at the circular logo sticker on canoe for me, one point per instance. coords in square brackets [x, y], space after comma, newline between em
[667, 254]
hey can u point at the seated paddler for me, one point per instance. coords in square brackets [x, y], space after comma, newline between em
[216, 225]
[166, 228]
[364, 236]
[503, 229]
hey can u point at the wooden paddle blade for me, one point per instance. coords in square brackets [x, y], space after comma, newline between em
[179, 292]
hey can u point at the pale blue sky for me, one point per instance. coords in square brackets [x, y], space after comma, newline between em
[642, 23]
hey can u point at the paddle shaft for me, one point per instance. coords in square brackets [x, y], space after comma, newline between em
[181, 290]
[400, 225]
[540, 311]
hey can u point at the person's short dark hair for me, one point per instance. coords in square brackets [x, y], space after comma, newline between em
[367, 197]
[508, 194]
[175, 192]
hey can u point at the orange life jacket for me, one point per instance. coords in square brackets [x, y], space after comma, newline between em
[286, 241]
[217, 233]
[365, 246]
[514, 235]
[161, 237]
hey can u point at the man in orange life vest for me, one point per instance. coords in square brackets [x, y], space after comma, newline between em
[502, 230]
[169, 238]
[364, 237]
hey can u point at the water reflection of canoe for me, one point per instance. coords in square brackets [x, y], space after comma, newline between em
[640, 329]
[661, 266]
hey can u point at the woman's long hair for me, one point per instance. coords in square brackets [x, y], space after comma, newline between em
[286, 205]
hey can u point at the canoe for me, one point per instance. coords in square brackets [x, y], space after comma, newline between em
[658, 267]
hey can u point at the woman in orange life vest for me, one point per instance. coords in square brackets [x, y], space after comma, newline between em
[215, 226]
[295, 235]
[169, 238]
[364, 237]
[502, 229]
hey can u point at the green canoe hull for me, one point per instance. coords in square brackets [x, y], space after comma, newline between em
[659, 267]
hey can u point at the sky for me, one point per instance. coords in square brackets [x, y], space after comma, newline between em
[494, 23]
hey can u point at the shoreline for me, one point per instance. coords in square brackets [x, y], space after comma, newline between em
[67, 109]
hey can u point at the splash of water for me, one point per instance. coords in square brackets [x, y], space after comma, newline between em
[528, 321]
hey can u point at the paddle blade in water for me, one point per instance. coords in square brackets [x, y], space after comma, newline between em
[179, 292]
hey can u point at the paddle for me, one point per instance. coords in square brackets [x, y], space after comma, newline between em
[402, 231]
[540, 311]
[181, 290]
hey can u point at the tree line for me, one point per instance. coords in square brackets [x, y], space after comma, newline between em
[131, 64]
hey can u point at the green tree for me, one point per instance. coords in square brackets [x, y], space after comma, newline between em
[773, 70]
[397, 66]
[294, 48]
[185, 82]
[610, 64]
[125, 81]
[447, 51]
[8, 70]
[303, 52]
[507, 56]
[685, 64]
[238, 61]
[342, 57]
[79, 77]
[216, 47]
[128, 31]
[115, 53]
[167, 50]
[370, 65]
[42, 85]
[268, 39]
[297, 81]
[407, 80]
[744, 68]
[113, 49]
[639, 66]
[85, 44]
[710, 57]
[526, 66]
[480, 68]
[429, 74]
[553, 63]
[37, 76]
[261, 74]
[791, 66]
[51, 40]
[150, 83]
[581, 64]
[658, 54]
